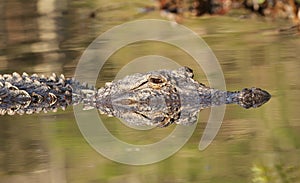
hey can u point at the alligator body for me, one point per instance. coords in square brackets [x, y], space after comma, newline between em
[157, 98]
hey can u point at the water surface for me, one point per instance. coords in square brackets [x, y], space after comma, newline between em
[256, 145]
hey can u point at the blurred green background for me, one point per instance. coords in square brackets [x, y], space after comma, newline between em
[257, 145]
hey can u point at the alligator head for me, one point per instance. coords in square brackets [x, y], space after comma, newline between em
[154, 98]
[164, 97]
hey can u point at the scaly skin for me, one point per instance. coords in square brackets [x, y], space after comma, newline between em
[157, 98]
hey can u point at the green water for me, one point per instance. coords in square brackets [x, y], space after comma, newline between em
[257, 145]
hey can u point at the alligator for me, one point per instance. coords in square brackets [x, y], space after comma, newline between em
[157, 98]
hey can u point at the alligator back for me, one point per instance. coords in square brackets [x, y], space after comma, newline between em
[20, 94]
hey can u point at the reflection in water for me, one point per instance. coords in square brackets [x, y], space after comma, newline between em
[24, 151]
[32, 34]
[252, 146]
[48, 37]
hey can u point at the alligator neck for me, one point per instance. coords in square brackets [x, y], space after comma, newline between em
[214, 97]
[232, 97]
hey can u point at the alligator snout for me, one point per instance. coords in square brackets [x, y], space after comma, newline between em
[253, 97]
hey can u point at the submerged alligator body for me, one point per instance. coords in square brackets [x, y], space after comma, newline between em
[157, 98]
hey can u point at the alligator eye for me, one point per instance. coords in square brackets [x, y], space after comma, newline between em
[156, 81]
